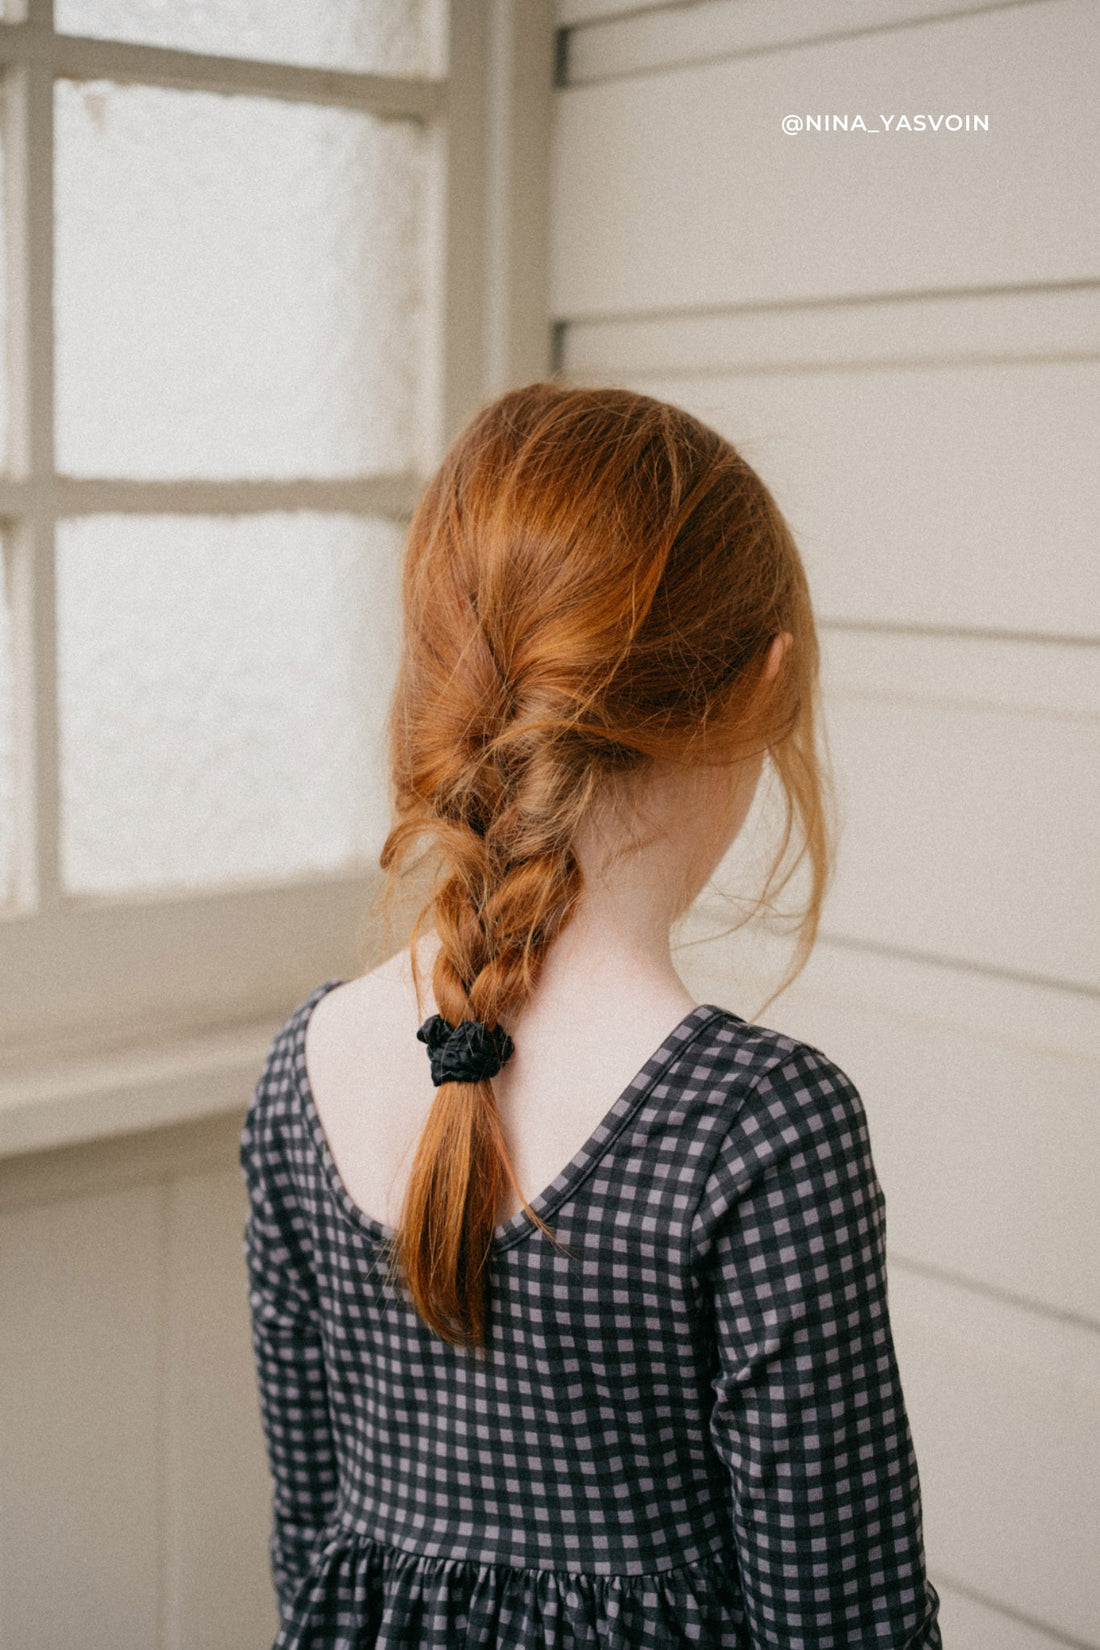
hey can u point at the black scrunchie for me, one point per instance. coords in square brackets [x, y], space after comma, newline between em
[464, 1053]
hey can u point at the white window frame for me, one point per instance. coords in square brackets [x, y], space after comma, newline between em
[82, 976]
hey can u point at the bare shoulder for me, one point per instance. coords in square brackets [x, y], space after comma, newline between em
[376, 1012]
[369, 1078]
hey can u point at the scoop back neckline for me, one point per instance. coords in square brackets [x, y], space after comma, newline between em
[569, 1178]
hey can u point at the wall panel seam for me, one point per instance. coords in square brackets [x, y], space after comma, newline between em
[969, 633]
[964, 965]
[832, 37]
[887, 694]
[1054, 1634]
[992, 1292]
[842, 300]
[881, 363]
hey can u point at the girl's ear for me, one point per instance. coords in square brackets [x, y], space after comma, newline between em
[776, 654]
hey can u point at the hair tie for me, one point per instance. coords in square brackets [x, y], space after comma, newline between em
[465, 1053]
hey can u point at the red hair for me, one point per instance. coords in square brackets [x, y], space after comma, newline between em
[593, 581]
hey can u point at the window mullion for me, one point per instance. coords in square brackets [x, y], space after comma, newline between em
[389, 495]
[79, 57]
[390, 97]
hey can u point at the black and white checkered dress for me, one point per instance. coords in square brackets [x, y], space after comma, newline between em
[692, 1433]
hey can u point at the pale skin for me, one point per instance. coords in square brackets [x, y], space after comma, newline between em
[607, 996]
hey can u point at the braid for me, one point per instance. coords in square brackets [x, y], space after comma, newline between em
[507, 896]
[536, 881]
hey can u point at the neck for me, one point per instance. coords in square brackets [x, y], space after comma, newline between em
[615, 952]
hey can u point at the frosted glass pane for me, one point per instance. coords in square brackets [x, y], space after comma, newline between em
[222, 686]
[239, 285]
[384, 35]
[7, 763]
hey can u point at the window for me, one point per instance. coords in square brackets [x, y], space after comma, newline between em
[260, 260]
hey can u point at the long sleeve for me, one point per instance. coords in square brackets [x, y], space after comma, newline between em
[808, 1414]
[286, 1339]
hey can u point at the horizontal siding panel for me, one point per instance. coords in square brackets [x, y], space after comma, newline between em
[1043, 678]
[1006, 326]
[969, 835]
[1005, 1411]
[662, 35]
[928, 495]
[680, 189]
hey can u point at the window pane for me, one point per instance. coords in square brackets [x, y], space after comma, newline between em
[7, 763]
[384, 35]
[239, 285]
[222, 685]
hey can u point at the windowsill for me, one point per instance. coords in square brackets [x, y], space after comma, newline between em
[67, 1102]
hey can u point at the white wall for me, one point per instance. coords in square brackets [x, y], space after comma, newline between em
[901, 331]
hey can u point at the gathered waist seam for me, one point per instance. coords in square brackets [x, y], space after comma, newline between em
[338, 1530]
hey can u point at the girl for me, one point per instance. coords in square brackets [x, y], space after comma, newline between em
[655, 1403]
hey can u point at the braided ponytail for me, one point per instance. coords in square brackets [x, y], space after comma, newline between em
[593, 581]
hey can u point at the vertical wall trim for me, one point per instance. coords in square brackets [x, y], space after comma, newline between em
[28, 123]
[521, 103]
[492, 208]
[169, 1622]
[461, 226]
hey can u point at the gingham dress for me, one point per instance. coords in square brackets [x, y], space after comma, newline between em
[692, 1433]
